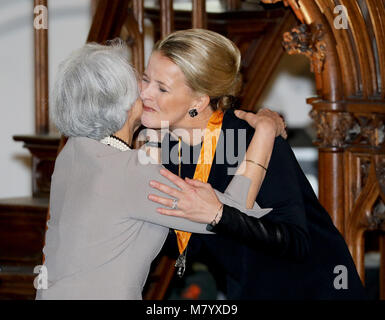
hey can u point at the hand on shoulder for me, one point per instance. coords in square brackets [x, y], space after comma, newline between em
[265, 120]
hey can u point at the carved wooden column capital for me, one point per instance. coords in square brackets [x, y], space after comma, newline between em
[369, 129]
[333, 128]
[339, 129]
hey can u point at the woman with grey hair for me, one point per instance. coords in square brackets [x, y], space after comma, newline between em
[103, 232]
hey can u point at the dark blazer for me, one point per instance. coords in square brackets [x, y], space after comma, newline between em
[297, 263]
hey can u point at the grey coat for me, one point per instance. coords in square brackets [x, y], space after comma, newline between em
[103, 232]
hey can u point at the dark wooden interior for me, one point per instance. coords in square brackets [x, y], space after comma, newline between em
[348, 113]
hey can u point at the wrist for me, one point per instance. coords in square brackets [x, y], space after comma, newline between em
[266, 128]
[217, 217]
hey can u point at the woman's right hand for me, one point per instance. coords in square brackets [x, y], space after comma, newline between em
[264, 118]
[197, 201]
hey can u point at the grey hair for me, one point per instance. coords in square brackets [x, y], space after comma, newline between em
[94, 88]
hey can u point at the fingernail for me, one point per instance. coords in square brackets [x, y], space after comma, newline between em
[152, 183]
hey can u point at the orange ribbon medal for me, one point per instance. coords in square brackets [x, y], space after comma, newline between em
[202, 172]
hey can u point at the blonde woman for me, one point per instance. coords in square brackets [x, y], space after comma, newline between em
[191, 81]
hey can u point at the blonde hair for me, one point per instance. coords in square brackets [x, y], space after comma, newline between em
[209, 61]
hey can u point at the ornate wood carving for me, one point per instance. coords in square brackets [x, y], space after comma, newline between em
[363, 44]
[365, 211]
[371, 129]
[349, 112]
[380, 173]
[300, 40]
[339, 129]
[363, 170]
[332, 127]
[377, 219]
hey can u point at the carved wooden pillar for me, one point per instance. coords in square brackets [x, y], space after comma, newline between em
[365, 183]
[348, 60]
[311, 41]
[332, 129]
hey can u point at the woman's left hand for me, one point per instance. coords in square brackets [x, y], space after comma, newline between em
[264, 117]
[197, 200]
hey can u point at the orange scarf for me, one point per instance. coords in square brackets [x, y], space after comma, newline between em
[202, 170]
